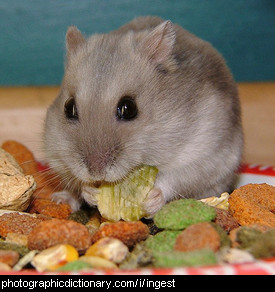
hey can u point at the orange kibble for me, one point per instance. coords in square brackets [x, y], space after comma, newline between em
[198, 236]
[19, 223]
[22, 155]
[50, 208]
[129, 233]
[59, 231]
[9, 257]
[253, 204]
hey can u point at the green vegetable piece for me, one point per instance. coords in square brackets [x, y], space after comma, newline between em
[21, 249]
[246, 236]
[74, 266]
[124, 199]
[82, 215]
[264, 245]
[188, 259]
[162, 241]
[179, 214]
[141, 256]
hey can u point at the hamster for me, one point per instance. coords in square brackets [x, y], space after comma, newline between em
[148, 93]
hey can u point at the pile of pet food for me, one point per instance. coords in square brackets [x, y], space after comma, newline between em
[37, 233]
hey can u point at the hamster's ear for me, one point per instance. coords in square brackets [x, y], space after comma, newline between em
[159, 43]
[74, 39]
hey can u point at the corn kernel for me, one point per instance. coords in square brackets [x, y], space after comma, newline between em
[54, 257]
[109, 248]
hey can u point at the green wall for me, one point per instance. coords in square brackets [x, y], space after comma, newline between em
[32, 32]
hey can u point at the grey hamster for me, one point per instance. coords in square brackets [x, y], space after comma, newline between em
[148, 93]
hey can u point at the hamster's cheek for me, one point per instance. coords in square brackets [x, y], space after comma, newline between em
[72, 167]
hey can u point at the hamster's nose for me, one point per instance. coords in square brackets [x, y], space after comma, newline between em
[97, 163]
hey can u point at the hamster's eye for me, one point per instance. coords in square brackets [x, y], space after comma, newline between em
[70, 109]
[126, 108]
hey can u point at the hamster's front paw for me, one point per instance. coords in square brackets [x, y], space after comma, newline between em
[89, 195]
[153, 202]
[68, 198]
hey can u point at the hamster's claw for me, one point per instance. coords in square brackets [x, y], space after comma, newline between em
[89, 195]
[153, 202]
[67, 198]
